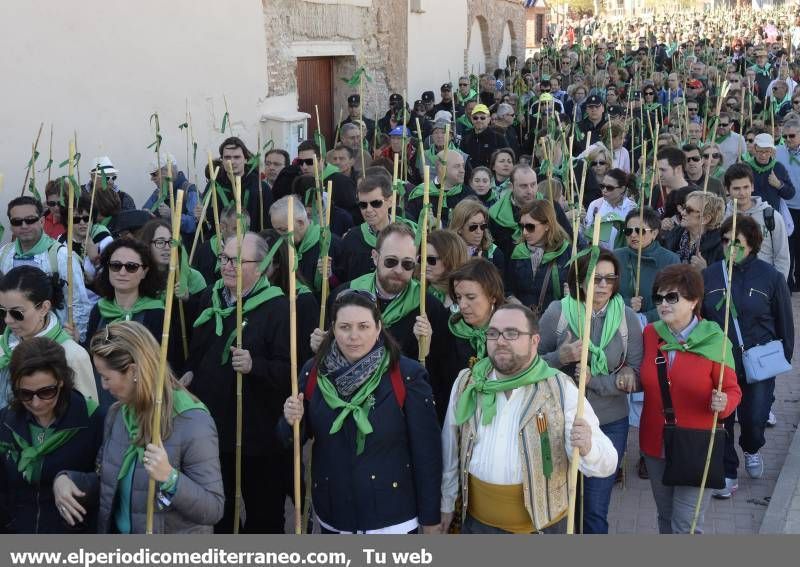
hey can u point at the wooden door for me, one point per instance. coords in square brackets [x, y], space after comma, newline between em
[315, 89]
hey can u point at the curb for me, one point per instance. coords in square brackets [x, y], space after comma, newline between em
[783, 512]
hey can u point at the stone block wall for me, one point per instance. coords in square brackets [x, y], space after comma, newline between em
[495, 15]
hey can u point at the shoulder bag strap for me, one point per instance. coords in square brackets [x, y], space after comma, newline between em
[735, 319]
[663, 382]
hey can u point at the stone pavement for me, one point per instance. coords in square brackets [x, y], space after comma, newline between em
[633, 509]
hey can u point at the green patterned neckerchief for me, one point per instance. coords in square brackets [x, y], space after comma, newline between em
[41, 246]
[54, 333]
[406, 302]
[112, 312]
[706, 340]
[757, 167]
[522, 252]
[475, 335]
[574, 313]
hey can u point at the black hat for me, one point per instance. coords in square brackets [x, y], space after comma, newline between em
[418, 104]
[354, 100]
[594, 100]
[447, 87]
[396, 98]
[428, 96]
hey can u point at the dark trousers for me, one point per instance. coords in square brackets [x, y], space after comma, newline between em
[753, 412]
[794, 251]
[263, 493]
[597, 491]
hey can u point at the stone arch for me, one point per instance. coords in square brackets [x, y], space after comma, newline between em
[507, 42]
[479, 47]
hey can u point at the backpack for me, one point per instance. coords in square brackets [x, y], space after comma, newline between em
[52, 254]
[398, 387]
[769, 219]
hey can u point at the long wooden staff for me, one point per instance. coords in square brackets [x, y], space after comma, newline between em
[213, 172]
[587, 330]
[260, 189]
[325, 261]
[394, 186]
[181, 311]
[298, 526]
[32, 167]
[317, 190]
[423, 257]
[442, 189]
[70, 228]
[731, 257]
[169, 295]
[237, 503]
[91, 209]
[50, 155]
[579, 203]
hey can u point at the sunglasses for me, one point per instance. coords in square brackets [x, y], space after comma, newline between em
[46, 393]
[362, 292]
[53, 203]
[608, 278]
[725, 125]
[796, 102]
[160, 243]
[672, 298]
[715, 155]
[596, 163]
[463, 84]
[751, 140]
[407, 264]
[690, 210]
[694, 158]
[527, 226]
[130, 267]
[432, 260]
[307, 161]
[604, 187]
[78, 220]
[16, 314]
[474, 227]
[690, 109]
[479, 117]
[649, 94]
[376, 204]
[637, 229]
[26, 220]
[790, 136]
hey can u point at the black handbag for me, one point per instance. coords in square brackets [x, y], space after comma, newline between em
[685, 449]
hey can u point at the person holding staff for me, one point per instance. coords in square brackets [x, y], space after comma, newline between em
[377, 454]
[185, 467]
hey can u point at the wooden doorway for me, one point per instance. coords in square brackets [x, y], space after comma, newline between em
[315, 88]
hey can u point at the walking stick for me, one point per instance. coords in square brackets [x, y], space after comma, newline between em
[721, 371]
[50, 155]
[442, 189]
[394, 187]
[298, 526]
[325, 260]
[587, 330]
[423, 265]
[212, 196]
[260, 189]
[237, 503]
[70, 228]
[169, 294]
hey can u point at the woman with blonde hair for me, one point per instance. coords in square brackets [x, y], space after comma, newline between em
[697, 240]
[538, 262]
[470, 220]
[446, 252]
[185, 465]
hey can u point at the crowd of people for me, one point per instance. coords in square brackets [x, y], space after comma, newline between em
[453, 409]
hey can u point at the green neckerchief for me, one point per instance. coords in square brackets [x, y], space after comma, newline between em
[98, 229]
[313, 236]
[400, 306]
[502, 212]
[761, 70]
[261, 293]
[488, 389]
[522, 252]
[55, 333]
[475, 335]
[438, 293]
[726, 252]
[434, 190]
[41, 247]
[757, 167]
[112, 312]
[705, 340]
[28, 457]
[574, 312]
[105, 222]
[611, 220]
[358, 406]
[182, 402]
[214, 243]
[371, 238]
[719, 139]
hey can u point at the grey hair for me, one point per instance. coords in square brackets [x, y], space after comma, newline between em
[347, 128]
[262, 248]
[504, 108]
[792, 123]
[281, 207]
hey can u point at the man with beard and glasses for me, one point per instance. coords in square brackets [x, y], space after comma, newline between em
[504, 414]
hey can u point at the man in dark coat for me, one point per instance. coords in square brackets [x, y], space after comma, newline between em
[481, 142]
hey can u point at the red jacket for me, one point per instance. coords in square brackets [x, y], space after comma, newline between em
[692, 379]
[51, 228]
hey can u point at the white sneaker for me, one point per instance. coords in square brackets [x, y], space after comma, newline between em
[731, 486]
[772, 421]
[754, 464]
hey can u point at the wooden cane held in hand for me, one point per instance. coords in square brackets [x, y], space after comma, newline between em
[326, 260]
[423, 345]
[70, 229]
[298, 526]
[585, 336]
[169, 294]
[237, 503]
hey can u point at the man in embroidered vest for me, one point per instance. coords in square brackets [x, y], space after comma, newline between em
[509, 433]
[263, 361]
[32, 247]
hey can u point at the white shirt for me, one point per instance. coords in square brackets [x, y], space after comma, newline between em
[496, 455]
[604, 208]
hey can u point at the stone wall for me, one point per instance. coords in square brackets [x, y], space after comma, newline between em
[496, 14]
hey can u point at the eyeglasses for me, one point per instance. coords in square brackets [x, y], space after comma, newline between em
[78, 220]
[672, 298]
[407, 264]
[527, 226]
[750, 140]
[474, 227]
[694, 158]
[130, 267]
[648, 93]
[463, 84]
[790, 136]
[53, 203]
[796, 102]
[690, 210]
[608, 278]
[16, 314]
[604, 187]
[596, 163]
[714, 155]
[46, 393]
[160, 243]
[432, 260]
[307, 161]
[27, 220]
[637, 229]
[691, 109]
[507, 334]
[725, 125]
[479, 117]
[224, 259]
[376, 204]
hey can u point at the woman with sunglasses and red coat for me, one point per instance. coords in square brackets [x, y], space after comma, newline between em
[47, 427]
[28, 300]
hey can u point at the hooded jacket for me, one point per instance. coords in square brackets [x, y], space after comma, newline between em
[775, 247]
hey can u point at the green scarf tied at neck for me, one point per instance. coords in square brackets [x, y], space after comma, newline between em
[406, 302]
[371, 238]
[55, 333]
[475, 335]
[522, 252]
[182, 402]
[41, 247]
[261, 293]
[757, 167]
[29, 457]
[574, 313]
[359, 405]
[502, 212]
[467, 404]
[314, 235]
[737, 259]
[112, 312]
[706, 340]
